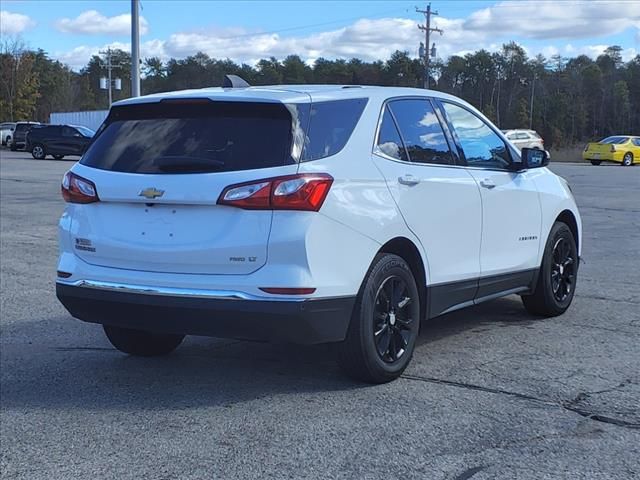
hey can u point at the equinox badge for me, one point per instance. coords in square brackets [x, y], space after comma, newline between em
[151, 193]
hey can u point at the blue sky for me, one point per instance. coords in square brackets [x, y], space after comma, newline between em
[246, 31]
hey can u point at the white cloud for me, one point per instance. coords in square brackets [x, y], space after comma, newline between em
[553, 19]
[13, 23]
[93, 22]
[361, 39]
[374, 39]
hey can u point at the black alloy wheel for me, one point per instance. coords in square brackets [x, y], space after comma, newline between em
[385, 322]
[392, 319]
[558, 274]
[563, 270]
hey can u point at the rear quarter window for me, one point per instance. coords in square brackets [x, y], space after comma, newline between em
[330, 127]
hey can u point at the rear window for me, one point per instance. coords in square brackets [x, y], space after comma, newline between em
[201, 136]
[23, 127]
[615, 140]
[196, 137]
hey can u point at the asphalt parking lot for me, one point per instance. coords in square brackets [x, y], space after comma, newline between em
[492, 392]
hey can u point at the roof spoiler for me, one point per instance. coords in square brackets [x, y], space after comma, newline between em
[234, 81]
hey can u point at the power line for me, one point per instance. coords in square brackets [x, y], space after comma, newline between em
[313, 25]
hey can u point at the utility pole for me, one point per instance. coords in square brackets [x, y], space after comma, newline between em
[427, 32]
[107, 83]
[135, 49]
[533, 87]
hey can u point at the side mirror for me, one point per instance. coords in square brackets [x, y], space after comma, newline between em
[533, 158]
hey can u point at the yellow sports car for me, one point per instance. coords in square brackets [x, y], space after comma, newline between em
[624, 149]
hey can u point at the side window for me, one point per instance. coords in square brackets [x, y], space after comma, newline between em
[482, 147]
[389, 141]
[68, 131]
[522, 136]
[421, 131]
[636, 141]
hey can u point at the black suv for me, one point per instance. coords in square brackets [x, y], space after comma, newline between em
[19, 134]
[58, 140]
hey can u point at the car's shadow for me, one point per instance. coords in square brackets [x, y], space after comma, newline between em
[83, 371]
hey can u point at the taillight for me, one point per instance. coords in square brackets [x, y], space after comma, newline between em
[613, 148]
[305, 191]
[76, 189]
[586, 148]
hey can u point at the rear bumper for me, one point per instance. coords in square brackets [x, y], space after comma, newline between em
[603, 157]
[308, 321]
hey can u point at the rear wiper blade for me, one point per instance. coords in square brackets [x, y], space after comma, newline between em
[186, 163]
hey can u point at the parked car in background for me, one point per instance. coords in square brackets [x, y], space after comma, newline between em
[20, 134]
[58, 140]
[6, 132]
[308, 214]
[622, 149]
[525, 139]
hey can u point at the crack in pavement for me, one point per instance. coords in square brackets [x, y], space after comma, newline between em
[565, 405]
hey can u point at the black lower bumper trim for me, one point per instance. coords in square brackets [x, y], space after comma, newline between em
[306, 322]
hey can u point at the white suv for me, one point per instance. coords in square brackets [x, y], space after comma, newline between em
[308, 214]
[525, 139]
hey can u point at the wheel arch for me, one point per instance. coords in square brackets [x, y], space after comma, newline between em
[410, 253]
[567, 217]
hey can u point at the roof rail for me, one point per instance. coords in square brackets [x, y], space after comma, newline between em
[352, 86]
[234, 81]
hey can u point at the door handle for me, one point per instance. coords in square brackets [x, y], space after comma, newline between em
[487, 183]
[408, 179]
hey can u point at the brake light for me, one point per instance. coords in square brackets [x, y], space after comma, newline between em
[305, 191]
[613, 148]
[76, 189]
[586, 148]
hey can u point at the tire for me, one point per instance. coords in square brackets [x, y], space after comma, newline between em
[38, 152]
[627, 160]
[141, 343]
[58, 157]
[596, 162]
[558, 274]
[381, 337]
[13, 147]
[7, 142]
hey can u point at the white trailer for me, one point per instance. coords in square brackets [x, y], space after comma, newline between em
[91, 119]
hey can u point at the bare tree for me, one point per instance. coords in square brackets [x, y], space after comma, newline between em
[18, 81]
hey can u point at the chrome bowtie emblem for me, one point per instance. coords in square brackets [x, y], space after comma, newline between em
[151, 193]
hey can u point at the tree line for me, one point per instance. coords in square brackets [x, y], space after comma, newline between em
[567, 100]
